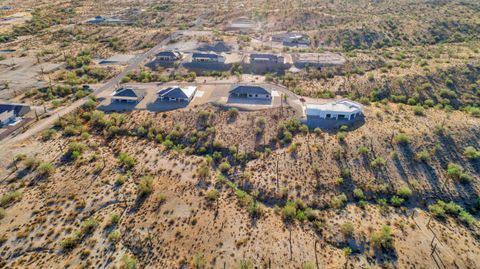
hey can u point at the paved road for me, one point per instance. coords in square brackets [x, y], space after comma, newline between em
[132, 65]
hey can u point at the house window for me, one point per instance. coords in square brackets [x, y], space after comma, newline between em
[328, 116]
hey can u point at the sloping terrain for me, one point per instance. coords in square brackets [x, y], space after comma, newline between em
[156, 190]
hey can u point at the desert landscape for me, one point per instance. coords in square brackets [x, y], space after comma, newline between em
[240, 134]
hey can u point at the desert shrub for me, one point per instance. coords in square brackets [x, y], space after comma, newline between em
[396, 201]
[471, 153]
[49, 133]
[422, 156]
[212, 195]
[114, 236]
[161, 198]
[129, 262]
[145, 186]
[467, 218]
[113, 219]
[341, 136]
[358, 193]
[76, 149]
[308, 265]
[9, 198]
[339, 200]
[289, 211]
[378, 162]
[71, 241]
[224, 167]
[89, 225]
[402, 139]
[418, 110]
[347, 228]
[46, 169]
[120, 180]
[465, 178]
[31, 163]
[404, 192]
[438, 209]
[362, 150]
[382, 238]
[233, 113]
[345, 172]
[447, 93]
[203, 171]
[126, 160]
[454, 170]
[244, 264]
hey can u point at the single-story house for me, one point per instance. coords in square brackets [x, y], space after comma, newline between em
[207, 57]
[342, 109]
[18, 109]
[318, 60]
[169, 56]
[6, 117]
[292, 39]
[177, 94]
[266, 58]
[250, 91]
[105, 20]
[127, 95]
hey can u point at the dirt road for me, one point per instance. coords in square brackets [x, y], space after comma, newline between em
[132, 65]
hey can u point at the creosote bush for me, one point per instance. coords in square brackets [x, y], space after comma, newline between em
[145, 186]
[382, 238]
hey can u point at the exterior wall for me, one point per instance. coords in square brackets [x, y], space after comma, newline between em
[124, 101]
[331, 115]
[254, 96]
[216, 60]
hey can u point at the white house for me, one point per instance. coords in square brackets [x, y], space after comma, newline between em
[266, 58]
[208, 57]
[177, 94]
[342, 109]
[7, 117]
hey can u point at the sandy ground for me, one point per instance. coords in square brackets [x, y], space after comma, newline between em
[22, 74]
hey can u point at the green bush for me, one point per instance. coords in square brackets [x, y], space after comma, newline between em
[224, 167]
[362, 150]
[378, 162]
[404, 192]
[358, 193]
[402, 139]
[46, 169]
[212, 195]
[89, 225]
[9, 198]
[339, 200]
[145, 186]
[114, 236]
[126, 160]
[471, 153]
[347, 228]
[419, 110]
[383, 238]
[396, 201]
[454, 170]
[130, 262]
[422, 156]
